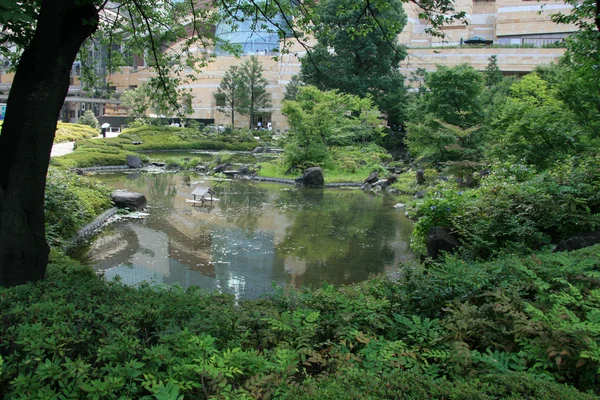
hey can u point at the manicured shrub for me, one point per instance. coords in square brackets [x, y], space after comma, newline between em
[72, 132]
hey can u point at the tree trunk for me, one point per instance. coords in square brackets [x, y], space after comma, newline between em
[36, 97]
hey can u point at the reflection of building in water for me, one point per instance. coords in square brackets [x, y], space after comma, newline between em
[295, 267]
[244, 264]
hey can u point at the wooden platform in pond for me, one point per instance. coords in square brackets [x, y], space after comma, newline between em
[201, 192]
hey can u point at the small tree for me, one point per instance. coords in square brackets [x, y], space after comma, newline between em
[492, 73]
[253, 89]
[319, 119]
[454, 94]
[136, 101]
[88, 118]
[228, 94]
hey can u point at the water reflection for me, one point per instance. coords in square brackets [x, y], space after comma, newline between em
[256, 234]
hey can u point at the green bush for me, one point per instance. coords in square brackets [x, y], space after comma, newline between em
[514, 209]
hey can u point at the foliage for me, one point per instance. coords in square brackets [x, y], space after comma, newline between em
[506, 329]
[436, 141]
[70, 202]
[320, 119]
[534, 126]
[454, 94]
[516, 209]
[137, 101]
[361, 63]
[73, 132]
[88, 118]
[291, 89]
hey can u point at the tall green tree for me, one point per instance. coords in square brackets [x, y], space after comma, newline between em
[364, 61]
[454, 94]
[228, 94]
[492, 72]
[253, 96]
[534, 126]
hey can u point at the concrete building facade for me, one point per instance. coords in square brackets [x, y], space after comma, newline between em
[517, 31]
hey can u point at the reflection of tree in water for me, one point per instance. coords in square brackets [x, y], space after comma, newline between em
[241, 203]
[160, 189]
[342, 236]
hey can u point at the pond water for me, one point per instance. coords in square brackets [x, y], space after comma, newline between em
[255, 236]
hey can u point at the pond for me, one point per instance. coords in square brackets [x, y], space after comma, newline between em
[255, 236]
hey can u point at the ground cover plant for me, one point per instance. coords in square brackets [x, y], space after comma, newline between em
[514, 328]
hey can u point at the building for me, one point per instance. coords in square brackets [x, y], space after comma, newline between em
[515, 31]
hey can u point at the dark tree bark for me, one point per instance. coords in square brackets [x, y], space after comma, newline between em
[38, 91]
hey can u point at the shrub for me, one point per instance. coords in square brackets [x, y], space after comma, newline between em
[88, 118]
[73, 132]
[515, 209]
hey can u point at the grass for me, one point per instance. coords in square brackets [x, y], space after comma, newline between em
[113, 151]
[66, 132]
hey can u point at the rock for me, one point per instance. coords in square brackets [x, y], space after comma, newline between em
[137, 143]
[420, 194]
[366, 186]
[133, 201]
[420, 177]
[201, 168]
[484, 172]
[260, 149]
[312, 177]
[134, 161]
[220, 168]
[158, 164]
[579, 241]
[440, 239]
[392, 179]
[399, 206]
[381, 183]
[374, 177]
[244, 170]
[394, 191]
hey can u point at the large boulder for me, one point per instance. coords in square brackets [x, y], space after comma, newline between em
[312, 177]
[420, 177]
[440, 239]
[134, 161]
[220, 168]
[371, 179]
[260, 149]
[579, 241]
[244, 170]
[133, 201]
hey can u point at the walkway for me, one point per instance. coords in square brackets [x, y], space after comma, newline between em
[60, 149]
